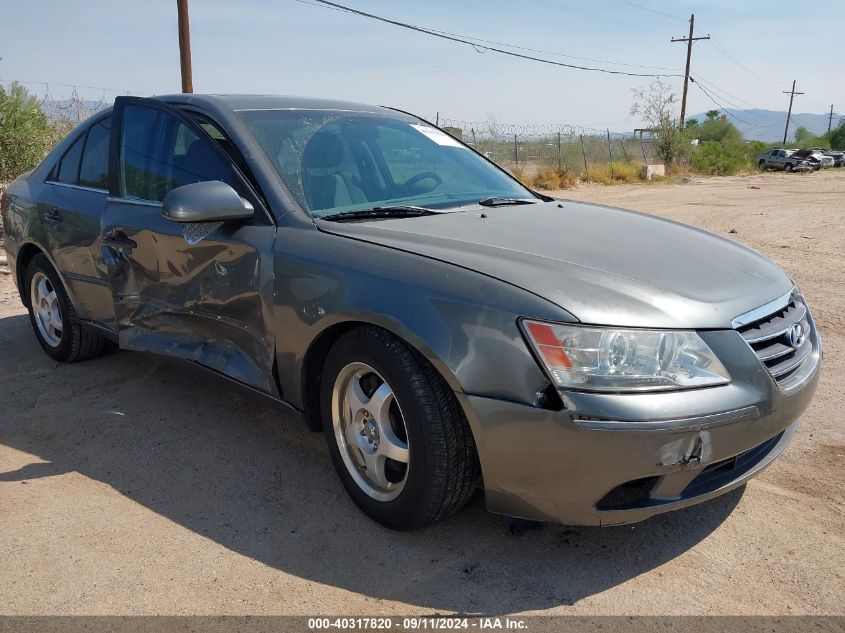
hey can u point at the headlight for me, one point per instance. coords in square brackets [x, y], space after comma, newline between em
[617, 359]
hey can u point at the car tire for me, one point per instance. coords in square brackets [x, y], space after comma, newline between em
[787, 168]
[53, 318]
[762, 165]
[382, 400]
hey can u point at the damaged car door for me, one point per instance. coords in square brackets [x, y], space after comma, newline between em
[200, 291]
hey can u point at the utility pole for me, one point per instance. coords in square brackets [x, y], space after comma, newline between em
[185, 45]
[791, 94]
[689, 40]
[830, 119]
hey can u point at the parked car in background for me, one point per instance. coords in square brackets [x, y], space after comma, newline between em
[445, 327]
[815, 157]
[782, 159]
[837, 156]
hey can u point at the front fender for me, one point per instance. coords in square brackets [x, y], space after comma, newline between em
[463, 322]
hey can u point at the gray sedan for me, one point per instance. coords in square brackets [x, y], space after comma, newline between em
[447, 329]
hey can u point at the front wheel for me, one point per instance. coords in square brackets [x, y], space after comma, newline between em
[787, 168]
[762, 165]
[53, 317]
[396, 434]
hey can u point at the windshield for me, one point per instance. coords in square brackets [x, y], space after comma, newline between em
[334, 161]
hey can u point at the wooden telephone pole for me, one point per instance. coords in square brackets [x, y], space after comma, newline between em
[791, 94]
[185, 45]
[830, 119]
[689, 40]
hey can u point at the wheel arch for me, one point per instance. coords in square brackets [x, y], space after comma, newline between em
[317, 351]
[26, 252]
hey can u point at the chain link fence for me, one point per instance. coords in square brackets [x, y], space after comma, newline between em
[529, 148]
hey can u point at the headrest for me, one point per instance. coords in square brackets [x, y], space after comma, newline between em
[324, 150]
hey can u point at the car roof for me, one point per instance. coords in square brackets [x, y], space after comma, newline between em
[272, 102]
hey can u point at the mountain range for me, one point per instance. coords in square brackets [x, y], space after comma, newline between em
[767, 125]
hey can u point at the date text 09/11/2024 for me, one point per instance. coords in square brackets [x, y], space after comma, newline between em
[417, 623]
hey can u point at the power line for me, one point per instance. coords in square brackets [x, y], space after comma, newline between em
[722, 108]
[723, 93]
[638, 6]
[465, 40]
[721, 50]
[537, 50]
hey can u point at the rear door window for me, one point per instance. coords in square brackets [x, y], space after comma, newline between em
[94, 168]
[68, 170]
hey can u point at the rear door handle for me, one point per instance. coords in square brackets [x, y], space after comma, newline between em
[52, 215]
[119, 239]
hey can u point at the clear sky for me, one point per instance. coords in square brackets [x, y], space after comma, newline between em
[290, 47]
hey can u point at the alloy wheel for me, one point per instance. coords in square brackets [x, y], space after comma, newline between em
[45, 308]
[370, 431]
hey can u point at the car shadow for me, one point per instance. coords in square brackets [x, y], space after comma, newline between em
[178, 441]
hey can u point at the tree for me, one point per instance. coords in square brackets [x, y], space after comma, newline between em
[805, 138]
[718, 130]
[837, 137]
[25, 133]
[712, 115]
[656, 106]
[692, 124]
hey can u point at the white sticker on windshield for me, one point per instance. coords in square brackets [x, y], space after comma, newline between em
[438, 136]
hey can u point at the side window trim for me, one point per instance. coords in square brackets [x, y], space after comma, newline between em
[72, 186]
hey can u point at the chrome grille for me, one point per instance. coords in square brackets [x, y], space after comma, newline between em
[769, 337]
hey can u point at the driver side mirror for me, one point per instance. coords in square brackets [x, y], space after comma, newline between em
[209, 201]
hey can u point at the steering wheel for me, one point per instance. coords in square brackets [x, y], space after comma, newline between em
[426, 175]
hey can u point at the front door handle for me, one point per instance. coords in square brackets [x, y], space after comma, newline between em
[119, 239]
[53, 215]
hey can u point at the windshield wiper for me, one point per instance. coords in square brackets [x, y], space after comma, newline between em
[502, 202]
[395, 211]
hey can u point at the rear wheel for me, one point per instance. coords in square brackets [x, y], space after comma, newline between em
[788, 167]
[762, 165]
[53, 318]
[397, 436]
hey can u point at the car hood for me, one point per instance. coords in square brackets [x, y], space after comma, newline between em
[602, 265]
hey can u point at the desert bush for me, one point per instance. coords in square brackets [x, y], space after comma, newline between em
[804, 138]
[25, 133]
[519, 172]
[626, 172]
[656, 105]
[722, 159]
[599, 174]
[547, 178]
[837, 137]
[552, 178]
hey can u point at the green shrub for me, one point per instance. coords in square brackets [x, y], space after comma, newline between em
[25, 133]
[721, 159]
[626, 172]
[837, 137]
[804, 138]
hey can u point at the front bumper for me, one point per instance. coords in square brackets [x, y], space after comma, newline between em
[607, 459]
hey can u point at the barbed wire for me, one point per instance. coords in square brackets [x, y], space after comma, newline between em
[65, 103]
[497, 129]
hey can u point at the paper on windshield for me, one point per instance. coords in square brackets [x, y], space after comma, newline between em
[438, 136]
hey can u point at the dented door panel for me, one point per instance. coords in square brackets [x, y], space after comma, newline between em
[197, 293]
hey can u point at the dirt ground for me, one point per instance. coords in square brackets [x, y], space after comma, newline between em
[137, 485]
